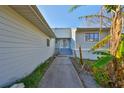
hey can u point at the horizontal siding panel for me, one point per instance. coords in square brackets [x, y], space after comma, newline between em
[22, 46]
[80, 40]
[14, 50]
[13, 29]
[16, 62]
[5, 15]
[86, 55]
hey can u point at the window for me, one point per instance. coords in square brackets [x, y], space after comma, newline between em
[48, 42]
[91, 37]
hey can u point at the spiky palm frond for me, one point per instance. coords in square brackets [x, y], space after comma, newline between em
[103, 53]
[74, 7]
[95, 16]
[101, 43]
[103, 61]
[110, 8]
[120, 52]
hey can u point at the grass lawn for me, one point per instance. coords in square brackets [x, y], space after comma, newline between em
[34, 78]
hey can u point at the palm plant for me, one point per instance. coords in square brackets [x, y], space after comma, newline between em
[110, 16]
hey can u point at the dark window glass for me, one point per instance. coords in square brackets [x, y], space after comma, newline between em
[48, 42]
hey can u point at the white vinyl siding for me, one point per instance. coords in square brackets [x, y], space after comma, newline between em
[80, 39]
[22, 46]
[62, 32]
[86, 45]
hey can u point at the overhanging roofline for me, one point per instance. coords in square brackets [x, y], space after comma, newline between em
[92, 29]
[32, 14]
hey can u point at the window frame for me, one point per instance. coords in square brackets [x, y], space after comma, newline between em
[48, 42]
[94, 35]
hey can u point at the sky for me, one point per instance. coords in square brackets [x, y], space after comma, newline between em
[58, 16]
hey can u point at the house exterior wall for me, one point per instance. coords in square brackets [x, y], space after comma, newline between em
[62, 32]
[86, 46]
[63, 41]
[22, 46]
[123, 30]
[73, 38]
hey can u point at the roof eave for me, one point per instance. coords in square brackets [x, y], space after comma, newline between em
[32, 14]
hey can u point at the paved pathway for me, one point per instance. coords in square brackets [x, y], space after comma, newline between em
[61, 74]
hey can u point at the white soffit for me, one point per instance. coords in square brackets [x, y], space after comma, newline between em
[32, 14]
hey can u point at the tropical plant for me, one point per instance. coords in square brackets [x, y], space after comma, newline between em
[103, 60]
[113, 15]
[102, 17]
[101, 43]
[116, 24]
[101, 76]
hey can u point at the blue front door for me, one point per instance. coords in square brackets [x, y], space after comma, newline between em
[63, 46]
[65, 51]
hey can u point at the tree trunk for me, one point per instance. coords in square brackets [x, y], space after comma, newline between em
[115, 33]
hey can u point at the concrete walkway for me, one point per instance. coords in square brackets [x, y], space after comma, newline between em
[61, 74]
